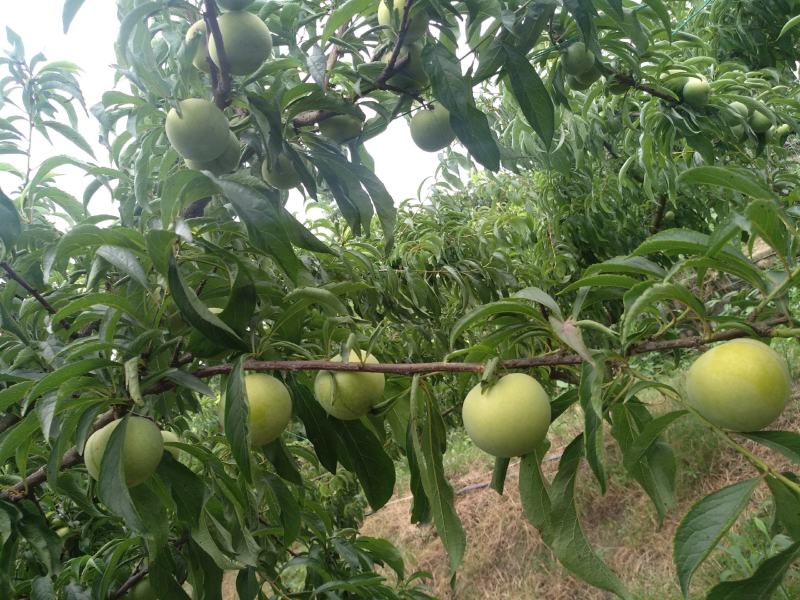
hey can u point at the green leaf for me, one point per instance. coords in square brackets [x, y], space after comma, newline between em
[71, 8]
[659, 292]
[535, 294]
[454, 91]
[111, 487]
[98, 299]
[262, 218]
[785, 442]
[704, 525]
[10, 225]
[480, 315]
[533, 492]
[72, 135]
[787, 505]
[187, 489]
[737, 180]
[236, 418]
[530, 94]
[42, 539]
[427, 435]
[12, 438]
[590, 393]
[763, 583]
[343, 14]
[319, 428]
[372, 466]
[42, 589]
[196, 313]
[765, 220]
[160, 246]
[649, 434]
[564, 534]
[52, 380]
[602, 280]
[789, 25]
[124, 260]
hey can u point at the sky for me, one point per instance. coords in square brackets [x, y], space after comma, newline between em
[90, 44]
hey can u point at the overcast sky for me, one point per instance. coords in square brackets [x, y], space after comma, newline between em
[90, 44]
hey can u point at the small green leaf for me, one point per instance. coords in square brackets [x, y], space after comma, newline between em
[704, 525]
[480, 315]
[10, 225]
[236, 418]
[763, 583]
[785, 442]
[71, 8]
[12, 438]
[530, 94]
[737, 180]
[125, 261]
[789, 25]
[72, 135]
[343, 14]
[654, 294]
[194, 311]
[373, 467]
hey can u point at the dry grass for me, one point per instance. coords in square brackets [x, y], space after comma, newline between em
[506, 560]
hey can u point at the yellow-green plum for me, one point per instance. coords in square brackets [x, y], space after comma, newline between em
[198, 29]
[577, 59]
[696, 92]
[741, 385]
[341, 128]
[200, 132]
[269, 406]
[247, 41]
[281, 174]
[142, 449]
[226, 162]
[510, 418]
[169, 436]
[431, 130]
[348, 395]
[759, 122]
[142, 591]
[417, 26]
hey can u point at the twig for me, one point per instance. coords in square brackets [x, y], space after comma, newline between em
[631, 82]
[31, 290]
[135, 578]
[222, 78]
[660, 211]
[389, 69]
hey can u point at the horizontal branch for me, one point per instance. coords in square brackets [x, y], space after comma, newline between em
[71, 457]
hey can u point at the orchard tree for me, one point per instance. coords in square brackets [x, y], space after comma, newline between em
[203, 383]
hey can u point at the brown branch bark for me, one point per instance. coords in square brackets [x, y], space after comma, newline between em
[220, 74]
[135, 578]
[389, 69]
[631, 82]
[661, 209]
[12, 274]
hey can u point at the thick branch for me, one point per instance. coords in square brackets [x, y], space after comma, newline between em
[222, 76]
[135, 578]
[628, 80]
[12, 274]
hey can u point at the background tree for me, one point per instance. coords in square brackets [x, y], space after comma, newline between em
[642, 158]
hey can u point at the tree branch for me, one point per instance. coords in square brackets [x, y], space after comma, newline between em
[12, 274]
[659, 216]
[631, 82]
[389, 69]
[220, 74]
[71, 457]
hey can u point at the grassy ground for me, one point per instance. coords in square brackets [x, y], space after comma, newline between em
[506, 560]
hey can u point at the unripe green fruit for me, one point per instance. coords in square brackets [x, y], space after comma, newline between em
[669, 216]
[247, 41]
[696, 92]
[169, 436]
[142, 591]
[741, 385]
[234, 4]
[737, 131]
[412, 77]
[269, 408]
[584, 81]
[63, 532]
[417, 27]
[431, 130]
[225, 163]
[777, 134]
[341, 128]
[578, 59]
[759, 122]
[282, 175]
[141, 450]
[511, 418]
[201, 52]
[735, 113]
[616, 85]
[200, 132]
[348, 395]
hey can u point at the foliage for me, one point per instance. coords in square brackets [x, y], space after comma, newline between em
[568, 263]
